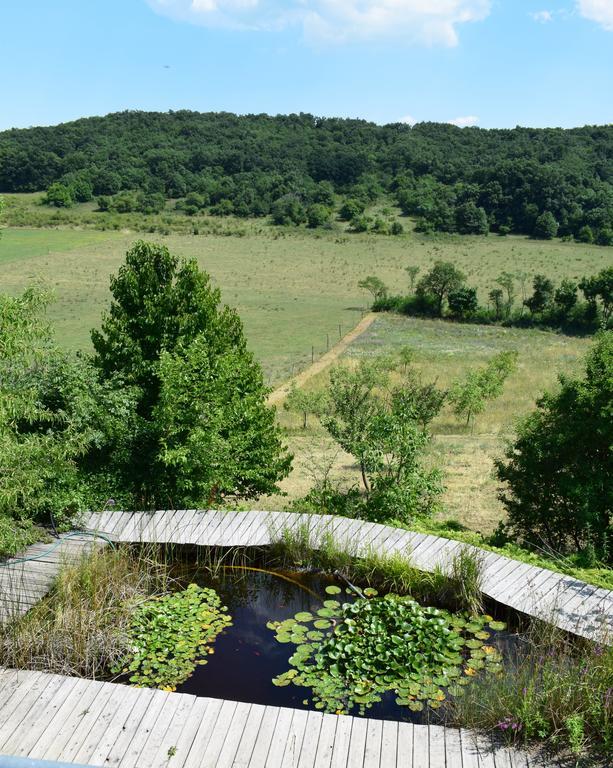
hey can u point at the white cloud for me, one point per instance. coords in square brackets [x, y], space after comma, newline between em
[542, 16]
[408, 120]
[600, 11]
[465, 122]
[426, 21]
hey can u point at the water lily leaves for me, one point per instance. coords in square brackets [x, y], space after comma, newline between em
[304, 616]
[497, 625]
[322, 624]
[169, 636]
[370, 592]
[380, 644]
[333, 589]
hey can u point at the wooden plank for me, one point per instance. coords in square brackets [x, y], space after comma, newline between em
[49, 744]
[309, 742]
[282, 737]
[38, 716]
[404, 753]
[118, 721]
[133, 528]
[296, 737]
[185, 534]
[389, 744]
[154, 714]
[436, 734]
[485, 750]
[234, 732]
[186, 737]
[453, 747]
[325, 745]
[470, 752]
[87, 722]
[261, 748]
[230, 537]
[14, 691]
[208, 757]
[146, 700]
[204, 733]
[249, 736]
[374, 734]
[421, 747]
[357, 745]
[209, 524]
[115, 708]
[168, 745]
[29, 699]
[342, 739]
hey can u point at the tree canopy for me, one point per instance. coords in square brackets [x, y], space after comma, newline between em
[533, 181]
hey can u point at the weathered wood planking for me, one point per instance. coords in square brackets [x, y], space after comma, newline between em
[566, 602]
[50, 717]
[23, 584]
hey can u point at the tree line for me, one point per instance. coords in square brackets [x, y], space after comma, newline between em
[444, 292]
[540, 182]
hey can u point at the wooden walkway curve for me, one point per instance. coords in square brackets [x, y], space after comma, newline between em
[51, 717]
[570, 604]
[95, 723]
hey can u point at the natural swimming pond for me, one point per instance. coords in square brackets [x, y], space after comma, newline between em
[293, 627]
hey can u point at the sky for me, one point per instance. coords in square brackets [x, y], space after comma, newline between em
[492, 63]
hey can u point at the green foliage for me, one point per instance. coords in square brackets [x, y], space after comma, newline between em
[546, 226]
[468, 397]
[375, 286]
[555, 693]
[59, 195]
[288, 210]
[463, 302]
[317, 215]
[305, 402]
[16, 535]
[373, 645]
[382, 430]
[440, 281]
[53, 415]
[598, 290]
[201, 429]
[81, 628]
[169, 635]
[509, 178]
[542, 295]
[557, 468]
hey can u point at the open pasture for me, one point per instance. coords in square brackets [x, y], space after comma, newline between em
[444, 351]
[292, 287]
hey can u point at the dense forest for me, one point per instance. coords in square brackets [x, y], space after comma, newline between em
[297, 168]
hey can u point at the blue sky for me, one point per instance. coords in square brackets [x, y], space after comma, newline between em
[494, 63]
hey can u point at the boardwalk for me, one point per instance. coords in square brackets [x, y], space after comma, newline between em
[96, 723]
[569, 603]
[104, 724]
[24, 583]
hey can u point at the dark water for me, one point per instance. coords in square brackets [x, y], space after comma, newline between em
[246, 655]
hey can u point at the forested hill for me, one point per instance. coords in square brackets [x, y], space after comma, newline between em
[524, 180]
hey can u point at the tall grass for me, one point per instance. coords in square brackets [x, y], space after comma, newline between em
[458, 588]
[555, 690]
[80, 627]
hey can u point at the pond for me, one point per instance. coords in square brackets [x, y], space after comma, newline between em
[247, 655]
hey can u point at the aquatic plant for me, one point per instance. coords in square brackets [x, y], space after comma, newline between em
[351, 654]
[170, 635]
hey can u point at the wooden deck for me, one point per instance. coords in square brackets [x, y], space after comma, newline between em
[95, 723]
[568, 603]
[23, 584]
[65, 719]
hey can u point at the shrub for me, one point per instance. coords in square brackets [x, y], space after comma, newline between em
[557, 468]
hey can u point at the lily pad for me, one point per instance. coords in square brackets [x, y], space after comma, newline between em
[332, 589]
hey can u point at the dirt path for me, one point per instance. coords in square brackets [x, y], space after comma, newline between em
[278, 395]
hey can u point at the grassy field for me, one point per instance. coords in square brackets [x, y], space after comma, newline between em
[294, 288]
[444, 351]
